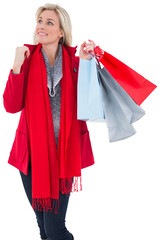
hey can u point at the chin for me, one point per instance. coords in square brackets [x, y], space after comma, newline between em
[42, 41]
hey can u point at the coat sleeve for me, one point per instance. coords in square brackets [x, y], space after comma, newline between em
[13, 96]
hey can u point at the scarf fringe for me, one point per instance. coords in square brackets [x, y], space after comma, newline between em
[66, 186]
[45, 204]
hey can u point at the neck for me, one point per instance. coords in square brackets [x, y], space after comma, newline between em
[51, 51]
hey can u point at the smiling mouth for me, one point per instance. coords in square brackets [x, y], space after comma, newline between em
[42, 34]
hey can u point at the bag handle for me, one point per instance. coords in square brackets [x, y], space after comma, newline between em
[97, 53]
[94, 55]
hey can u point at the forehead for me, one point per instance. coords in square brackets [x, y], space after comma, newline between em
[49, 14]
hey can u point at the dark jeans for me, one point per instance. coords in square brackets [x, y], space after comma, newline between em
[51, 225]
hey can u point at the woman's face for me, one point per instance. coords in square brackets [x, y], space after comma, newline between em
[48, 28]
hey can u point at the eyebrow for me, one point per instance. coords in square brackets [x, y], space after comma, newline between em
[49, 19]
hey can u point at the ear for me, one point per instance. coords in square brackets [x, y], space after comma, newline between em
[61, 33]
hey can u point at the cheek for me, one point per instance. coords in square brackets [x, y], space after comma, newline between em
[53, 30]
[51, 34]
[36, 28]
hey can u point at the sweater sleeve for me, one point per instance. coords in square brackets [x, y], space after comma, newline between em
[13, 72]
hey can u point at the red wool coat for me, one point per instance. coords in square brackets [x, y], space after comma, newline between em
[13, 100]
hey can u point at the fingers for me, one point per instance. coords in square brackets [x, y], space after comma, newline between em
[27, 52]
[89, 46]
[83, 45]
[91, 41]
[86, 48]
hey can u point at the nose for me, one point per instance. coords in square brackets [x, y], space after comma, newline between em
[42, 27]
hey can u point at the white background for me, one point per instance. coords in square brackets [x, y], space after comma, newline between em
[121, 191]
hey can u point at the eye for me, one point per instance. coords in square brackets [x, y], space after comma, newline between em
[51, 23]
[39, 21]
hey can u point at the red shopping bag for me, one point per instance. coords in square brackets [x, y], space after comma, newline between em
[138, 87]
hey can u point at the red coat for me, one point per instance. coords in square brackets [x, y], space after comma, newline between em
[13, 100]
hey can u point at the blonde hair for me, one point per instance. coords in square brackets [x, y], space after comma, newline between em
[65, 22]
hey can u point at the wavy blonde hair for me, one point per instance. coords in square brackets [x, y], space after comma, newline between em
[65, 22]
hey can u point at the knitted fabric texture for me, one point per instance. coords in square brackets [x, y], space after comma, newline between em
[54, 75]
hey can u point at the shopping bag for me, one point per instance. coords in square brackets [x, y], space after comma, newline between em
[89, 99]
[119, 108]
[132, 82]
[115, 106]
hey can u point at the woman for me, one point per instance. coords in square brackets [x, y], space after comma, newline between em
[51, 146]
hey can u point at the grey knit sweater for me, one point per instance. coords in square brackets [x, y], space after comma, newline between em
[54, 75]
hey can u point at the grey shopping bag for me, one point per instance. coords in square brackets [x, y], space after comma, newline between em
[119, 108]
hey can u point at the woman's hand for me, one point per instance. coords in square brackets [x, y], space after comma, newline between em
[20, 55]
[85, 48]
